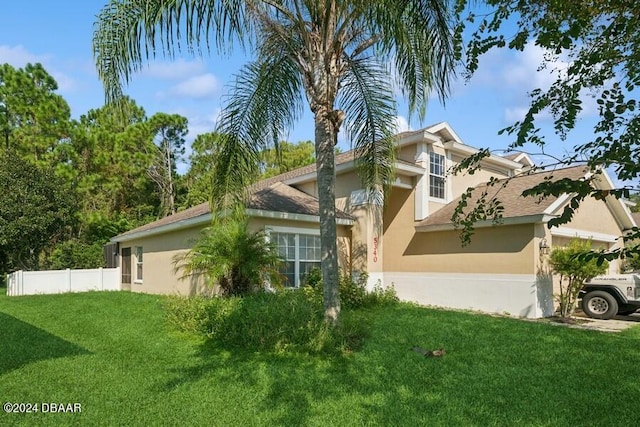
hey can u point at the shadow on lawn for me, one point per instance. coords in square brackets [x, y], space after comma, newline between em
[23, 343]
[496, 371]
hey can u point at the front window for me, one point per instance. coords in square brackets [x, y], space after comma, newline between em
[300, 253]
[436, 175]
[139, 264]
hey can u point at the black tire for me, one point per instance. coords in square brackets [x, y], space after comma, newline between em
[599, 305]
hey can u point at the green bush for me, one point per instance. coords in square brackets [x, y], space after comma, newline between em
[232, 258]
[353, 293]
[574, 269]
[285, 321]
[75, 254]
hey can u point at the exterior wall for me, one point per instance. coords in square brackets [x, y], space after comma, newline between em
[410, 251]
[407, 153]
[594, 215]
[159, 251]
[462, 181]
[496, 272]
[512, 294]
[158, 266]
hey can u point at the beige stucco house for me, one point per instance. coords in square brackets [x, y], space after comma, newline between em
[411, 242]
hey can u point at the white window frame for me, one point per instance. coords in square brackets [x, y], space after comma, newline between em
[297, 231]
[139, 264]
[442, 176]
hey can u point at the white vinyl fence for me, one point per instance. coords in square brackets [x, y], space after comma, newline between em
[61, 281]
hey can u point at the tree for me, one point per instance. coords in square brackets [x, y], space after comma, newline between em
[198, 178]
[33, 118]
[592, 50]
[109, 154]
[169, 131]
[338, 55]
[34, 214]
[288, 157]
[203, 156]
[575, 270]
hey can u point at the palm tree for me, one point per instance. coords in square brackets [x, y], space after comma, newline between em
[340, 55]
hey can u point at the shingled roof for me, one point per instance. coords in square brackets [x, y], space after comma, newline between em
[277, 197]
[510, 196]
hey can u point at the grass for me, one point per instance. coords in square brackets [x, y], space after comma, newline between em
[113, 354]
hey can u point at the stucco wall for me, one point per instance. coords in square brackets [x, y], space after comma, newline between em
[594, 215]
[502, 249]
[464, 180]
[159, 251]
[158, 266]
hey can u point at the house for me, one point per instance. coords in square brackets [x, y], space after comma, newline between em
[411, 243]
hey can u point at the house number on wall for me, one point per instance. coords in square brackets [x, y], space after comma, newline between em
[375, 249]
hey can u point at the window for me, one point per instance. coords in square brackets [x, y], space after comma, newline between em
[300, 252]
[138, 263]
[436, 175]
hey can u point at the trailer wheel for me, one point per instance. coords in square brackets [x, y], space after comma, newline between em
[599, 305]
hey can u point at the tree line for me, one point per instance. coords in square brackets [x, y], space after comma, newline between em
[69, 185]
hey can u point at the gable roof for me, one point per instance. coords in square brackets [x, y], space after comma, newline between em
[277, 198]
[509, 193]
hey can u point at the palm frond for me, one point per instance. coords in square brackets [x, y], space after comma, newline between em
[367, 99]
[418, 36]
[130, 32]
[265, 101]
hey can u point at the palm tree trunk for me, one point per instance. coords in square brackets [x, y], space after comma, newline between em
[325, 141]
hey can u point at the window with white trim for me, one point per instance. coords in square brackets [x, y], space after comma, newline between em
[300, 252]
[138, 264]
[436, 175]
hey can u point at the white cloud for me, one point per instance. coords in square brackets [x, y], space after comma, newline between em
[179, 69]
[402, 124]
[18, 56]
[199, 124]
[198, 87]
[525, 71]
[65, 83]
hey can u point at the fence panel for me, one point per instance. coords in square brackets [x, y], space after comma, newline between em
[61, 281]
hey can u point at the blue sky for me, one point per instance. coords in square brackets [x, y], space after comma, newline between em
[58, 35]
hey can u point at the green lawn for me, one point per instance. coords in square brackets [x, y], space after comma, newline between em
[113, 354]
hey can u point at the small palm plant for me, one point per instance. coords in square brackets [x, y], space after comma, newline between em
[231, 258]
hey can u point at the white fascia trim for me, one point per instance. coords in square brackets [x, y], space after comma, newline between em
[418, 137]
[346, 166]
[206, 219]
[311, 176]
[293, 216]
[402, 185]
[562, 200]
[582, 234]
[293, 230]
[446, 127]
[187, 223]
[529, 219]
[410, 169]
[526, 157]
[467, 150]
[621, 212]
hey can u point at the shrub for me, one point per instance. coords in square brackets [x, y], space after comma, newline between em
[574, 271]
[230, 257]
[286, 321]
[75, 254]
[353, 293]
[631, 262]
